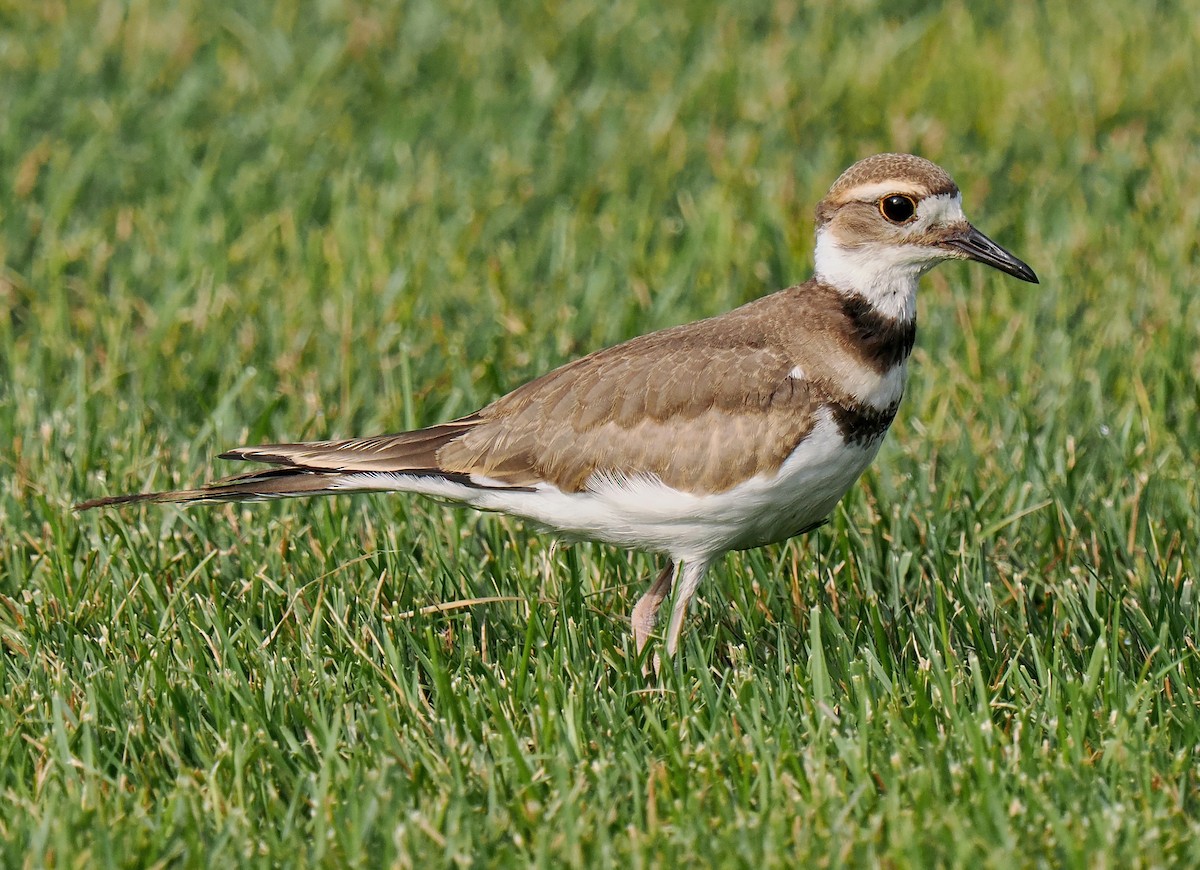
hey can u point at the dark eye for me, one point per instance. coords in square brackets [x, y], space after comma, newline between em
[897, 208]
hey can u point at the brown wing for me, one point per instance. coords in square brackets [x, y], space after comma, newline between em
[414, 451]
[701, 406]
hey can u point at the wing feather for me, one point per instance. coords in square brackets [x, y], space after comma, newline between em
[699, 406]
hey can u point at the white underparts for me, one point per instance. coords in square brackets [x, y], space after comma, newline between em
[641, 512]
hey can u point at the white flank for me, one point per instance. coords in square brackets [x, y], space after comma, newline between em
[641, 512]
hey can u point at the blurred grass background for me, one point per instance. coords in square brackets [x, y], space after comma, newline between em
[225, 222]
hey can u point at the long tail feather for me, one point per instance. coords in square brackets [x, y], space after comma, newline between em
[256, 486]
[327, 467]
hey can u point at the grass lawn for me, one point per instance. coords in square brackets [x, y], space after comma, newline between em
[231, 222]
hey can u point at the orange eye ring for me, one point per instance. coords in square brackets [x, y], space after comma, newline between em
[898, 207]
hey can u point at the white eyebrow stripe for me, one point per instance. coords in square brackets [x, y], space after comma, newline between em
[880, 189]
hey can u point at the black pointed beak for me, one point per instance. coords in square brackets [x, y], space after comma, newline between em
[979, 247]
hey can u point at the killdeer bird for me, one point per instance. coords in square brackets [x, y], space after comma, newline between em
[723, 434]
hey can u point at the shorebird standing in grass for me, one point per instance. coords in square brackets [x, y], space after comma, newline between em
[723, 434]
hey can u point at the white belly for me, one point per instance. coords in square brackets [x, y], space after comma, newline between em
[645, 514]
[640, 512]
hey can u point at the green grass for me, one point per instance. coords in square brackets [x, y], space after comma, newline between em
[222, 223]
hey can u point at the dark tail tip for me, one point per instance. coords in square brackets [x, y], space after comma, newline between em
[118, 500]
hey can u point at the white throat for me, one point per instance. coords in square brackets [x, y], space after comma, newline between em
[885, 275]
